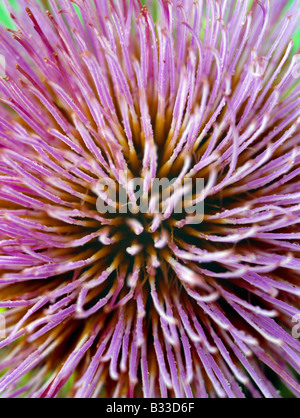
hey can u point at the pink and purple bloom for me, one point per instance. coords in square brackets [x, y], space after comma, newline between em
[128, 304]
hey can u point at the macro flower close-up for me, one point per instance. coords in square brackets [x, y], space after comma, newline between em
[149, 199]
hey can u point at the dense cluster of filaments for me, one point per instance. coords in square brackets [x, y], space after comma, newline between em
[149, 304]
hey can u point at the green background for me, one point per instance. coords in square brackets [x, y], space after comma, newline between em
[6, 21]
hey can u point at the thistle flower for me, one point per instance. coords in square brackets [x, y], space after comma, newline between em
[131, 304]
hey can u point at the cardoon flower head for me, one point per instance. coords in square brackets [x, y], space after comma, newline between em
[153, 303]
